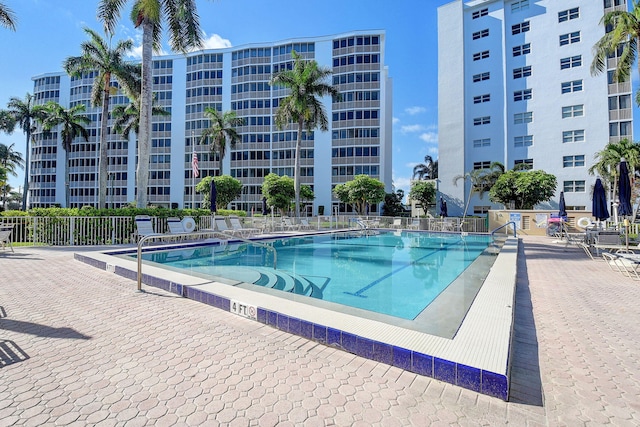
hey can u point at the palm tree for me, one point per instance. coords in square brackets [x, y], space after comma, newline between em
[71, 123]
[97, 55]
[7, 17]
[424, 170]
[306, 81]
[7, 122]
[607, 160]
[222, 128]
[126, 118]
[10, 160]
[184, 33]
[623, 37]
[478, 180]
[26, 114]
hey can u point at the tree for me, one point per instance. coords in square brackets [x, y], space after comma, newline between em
[98, 56]
[7, 121]
[7, 17]
[220, 130]
[71, 121]
[10, 160]
[609, 157]
[393, 203]
[424, 170]
[26, 114]
[359, 192]
[126, 118]
[280, 191]
[227, 190]
[525, 188]
[622, 32]
[182, 19]
[423, 193]
[305, 81]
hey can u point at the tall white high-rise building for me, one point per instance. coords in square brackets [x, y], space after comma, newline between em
[514, 86]
[358, 140]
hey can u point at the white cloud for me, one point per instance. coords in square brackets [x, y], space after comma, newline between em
[429, 137]
[396, 120]
[214, 41]
[414, 110]
[411, 128]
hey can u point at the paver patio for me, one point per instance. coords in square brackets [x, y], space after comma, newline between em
[79, 346]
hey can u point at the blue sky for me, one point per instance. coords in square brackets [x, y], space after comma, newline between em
[50, 30]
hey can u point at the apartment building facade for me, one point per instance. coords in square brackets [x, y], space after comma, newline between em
[514, 86]
[358, 141]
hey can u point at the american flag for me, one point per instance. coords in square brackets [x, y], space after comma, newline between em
[194, 165]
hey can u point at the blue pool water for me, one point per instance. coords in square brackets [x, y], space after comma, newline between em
[393, 273]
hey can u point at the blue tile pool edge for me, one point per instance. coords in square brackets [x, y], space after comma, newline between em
[475, 379]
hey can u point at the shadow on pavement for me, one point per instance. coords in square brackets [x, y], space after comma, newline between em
[526, 384]
[40, 330]
[10, 353]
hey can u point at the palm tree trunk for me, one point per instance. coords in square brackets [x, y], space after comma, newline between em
[25, 191]
[146, 98]
[67, 191]
[296, 177]
[102, 170]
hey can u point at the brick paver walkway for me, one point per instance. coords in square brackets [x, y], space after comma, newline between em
[78, 346]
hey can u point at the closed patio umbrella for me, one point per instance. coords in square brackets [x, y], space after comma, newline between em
[562, 212]
[264, 206]
[443, 208]
[599, 202]
[213, 195]
[624, 195]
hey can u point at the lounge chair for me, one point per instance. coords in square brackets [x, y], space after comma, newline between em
[221, 226]
[304, 224]
[288, 224]
[175, 226]
[628, 264]
[144, 227]
[415, 224]
[5, 237]
[237, 227]
[397, 223]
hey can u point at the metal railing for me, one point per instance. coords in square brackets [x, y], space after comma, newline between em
[493, 232]
[118, 230]
[204, 233]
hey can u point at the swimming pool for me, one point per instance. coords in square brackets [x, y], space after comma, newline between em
[391, 273]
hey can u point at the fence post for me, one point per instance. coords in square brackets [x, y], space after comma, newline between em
[72, 223]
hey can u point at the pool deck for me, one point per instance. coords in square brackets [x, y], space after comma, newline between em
[80, 346]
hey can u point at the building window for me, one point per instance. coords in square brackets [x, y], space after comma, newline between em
[520, 118]
[570, 38]
[519, 5]
[571, 62]
[620, 129]
[479, 13]
[481, 210]
[622, 102]
[482, 120]
[573, 161]
[611, 3]
[482, 165]
[482, 98]
[481, 55]
[485, 142]
[480, 77]
[523, 27]
[569, 136]
[573, 186]
[521, 95]
[569, 14]
[522, 49]
[572, 111]
[523, 141]
[519, 73]
[481, 34]
[573, 86]
[528, 163]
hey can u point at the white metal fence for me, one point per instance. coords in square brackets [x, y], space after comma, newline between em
[115, 230]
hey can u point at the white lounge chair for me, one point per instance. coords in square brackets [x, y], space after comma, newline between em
[397, 223]
[288, 224]
[304, 224]
[175, 226]
[5, 237]
[144, 227]
[221, 226]
[237, 226]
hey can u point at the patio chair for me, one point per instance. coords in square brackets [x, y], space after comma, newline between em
[144, 227]
[243, 231]
[288, 224]
[5, 237]
[175, 226]
[397, 223]
[304, 224]
[221, 226]
[628, 264]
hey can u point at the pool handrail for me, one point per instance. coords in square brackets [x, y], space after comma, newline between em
[515, 234]
[201, 233]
